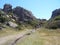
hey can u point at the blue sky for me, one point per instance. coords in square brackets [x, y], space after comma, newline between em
[40, 8]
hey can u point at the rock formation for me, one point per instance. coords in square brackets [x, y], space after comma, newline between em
[55, 13]
[23, 14]
[19, 13]
[7, 8]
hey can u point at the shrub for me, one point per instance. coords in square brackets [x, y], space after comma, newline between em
[2, 19]
[51, 25]
[57, 18]
[33, 23]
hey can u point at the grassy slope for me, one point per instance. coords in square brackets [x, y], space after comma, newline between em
[42, 37]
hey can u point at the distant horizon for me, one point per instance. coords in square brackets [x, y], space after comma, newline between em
[41, 9]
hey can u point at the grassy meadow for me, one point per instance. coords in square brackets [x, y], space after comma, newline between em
[41, 37]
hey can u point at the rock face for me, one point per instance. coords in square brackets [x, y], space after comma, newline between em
[7, 8]
[23, 14]
[19, 13]
[55, 13]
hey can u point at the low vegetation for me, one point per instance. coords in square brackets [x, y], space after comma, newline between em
[41, 37]
[53, 23]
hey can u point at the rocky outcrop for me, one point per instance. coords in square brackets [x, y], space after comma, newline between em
[55, 13]
[19, 13]
[7, 8]
[16, 16]
[23, 14]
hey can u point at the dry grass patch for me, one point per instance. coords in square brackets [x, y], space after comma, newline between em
[42, 37]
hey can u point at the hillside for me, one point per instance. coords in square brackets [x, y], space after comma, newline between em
[55, 13]
[15, 17]
[54, 21]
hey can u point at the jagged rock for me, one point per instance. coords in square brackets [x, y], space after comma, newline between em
[7, 8]
[15, 17]
[23, 14]
[55, 13]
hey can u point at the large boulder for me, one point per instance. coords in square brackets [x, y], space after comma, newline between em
[11, 24]
[55, 13]
[7, 8]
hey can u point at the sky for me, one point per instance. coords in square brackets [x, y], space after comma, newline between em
[41, 9]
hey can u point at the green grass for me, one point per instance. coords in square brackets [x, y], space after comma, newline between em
[42, 37]
[30, 40]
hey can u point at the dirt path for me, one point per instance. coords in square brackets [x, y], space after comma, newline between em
[16, 37]
[28, 33]
[6, 38]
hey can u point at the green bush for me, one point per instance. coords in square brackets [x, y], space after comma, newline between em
[2, 19]
[51, 25]
[1, 12]
[33, 23]
[57, 18]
